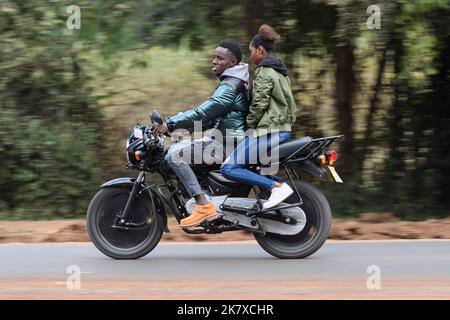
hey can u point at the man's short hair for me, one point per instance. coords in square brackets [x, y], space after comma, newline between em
[233, 47]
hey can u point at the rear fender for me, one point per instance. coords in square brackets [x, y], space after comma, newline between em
[309, 166]
[151, 194]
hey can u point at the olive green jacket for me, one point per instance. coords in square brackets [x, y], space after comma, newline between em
[273, 105]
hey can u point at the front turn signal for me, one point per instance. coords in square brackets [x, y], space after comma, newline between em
[137, 155]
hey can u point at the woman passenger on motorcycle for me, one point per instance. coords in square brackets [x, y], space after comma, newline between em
[271, 114]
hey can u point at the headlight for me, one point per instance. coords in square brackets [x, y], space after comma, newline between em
[135, 151]
[135, 145]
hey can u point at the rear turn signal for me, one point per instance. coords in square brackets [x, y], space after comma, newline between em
[323, 159]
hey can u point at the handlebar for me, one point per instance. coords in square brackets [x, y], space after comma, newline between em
[149, 139]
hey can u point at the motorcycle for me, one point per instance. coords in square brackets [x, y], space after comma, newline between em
[127, 216]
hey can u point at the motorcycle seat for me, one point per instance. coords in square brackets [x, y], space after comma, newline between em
[221, 179]
[288, 148]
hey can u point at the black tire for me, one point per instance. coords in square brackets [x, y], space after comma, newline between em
[312, 237]
[119, 243]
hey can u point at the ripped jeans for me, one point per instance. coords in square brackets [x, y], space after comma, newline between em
[183, 154]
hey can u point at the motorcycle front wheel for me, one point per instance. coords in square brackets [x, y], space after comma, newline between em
[313, 235]
[118, 242]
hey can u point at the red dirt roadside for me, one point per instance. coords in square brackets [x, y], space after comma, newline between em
[369, 226]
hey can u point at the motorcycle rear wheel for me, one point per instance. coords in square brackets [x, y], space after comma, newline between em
[118, 243]
[313, 235]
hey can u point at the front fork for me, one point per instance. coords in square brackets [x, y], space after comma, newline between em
[134, 191]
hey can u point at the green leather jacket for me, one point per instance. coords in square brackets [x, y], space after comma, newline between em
[226, 109]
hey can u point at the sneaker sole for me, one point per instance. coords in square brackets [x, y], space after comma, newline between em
[274, 205]
[210, 217]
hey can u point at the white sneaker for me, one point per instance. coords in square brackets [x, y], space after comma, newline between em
[278, 195]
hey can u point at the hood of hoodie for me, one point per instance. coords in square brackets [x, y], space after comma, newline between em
[271, 61]
[239, 71]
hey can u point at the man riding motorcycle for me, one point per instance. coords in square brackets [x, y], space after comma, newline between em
[225, 110]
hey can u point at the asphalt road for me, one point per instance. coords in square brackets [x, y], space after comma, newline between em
[415, 269]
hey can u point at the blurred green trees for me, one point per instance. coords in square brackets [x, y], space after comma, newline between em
[48, 117]
[68, 97]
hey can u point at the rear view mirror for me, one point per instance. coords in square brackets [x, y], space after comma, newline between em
[156, 117]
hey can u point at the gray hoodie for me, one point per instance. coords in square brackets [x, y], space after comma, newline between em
[239, 71]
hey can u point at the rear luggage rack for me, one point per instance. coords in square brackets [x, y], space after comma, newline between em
[314, 145]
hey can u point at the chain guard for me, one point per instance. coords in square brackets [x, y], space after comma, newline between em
[267, 225]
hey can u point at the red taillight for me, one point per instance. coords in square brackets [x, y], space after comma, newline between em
[332, 157]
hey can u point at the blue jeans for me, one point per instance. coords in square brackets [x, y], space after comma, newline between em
[249, 152]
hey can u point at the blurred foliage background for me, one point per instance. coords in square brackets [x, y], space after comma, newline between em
[68, 98]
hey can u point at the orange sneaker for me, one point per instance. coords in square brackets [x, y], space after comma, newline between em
[200, 214]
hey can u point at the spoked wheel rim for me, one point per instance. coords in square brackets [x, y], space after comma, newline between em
[121, 239]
